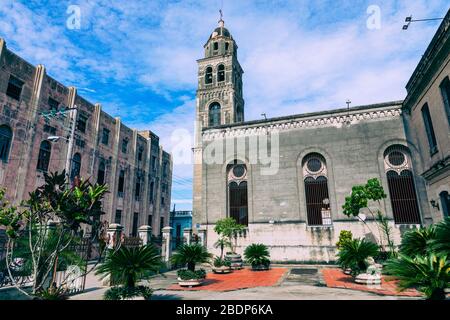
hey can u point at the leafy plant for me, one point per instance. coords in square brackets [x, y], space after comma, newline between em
[429, 274]
[344, 237]
[257, 254]
[122, 293]
[229, 229]
[45, 249]
[219, 262]
[354, 252]
[51, 293]
[222, 243]
[185, 274]
[441, 241]
[189, 255]
[127, 266]
[416, 242]
[359, 199]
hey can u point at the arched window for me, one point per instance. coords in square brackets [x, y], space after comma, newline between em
[221, 73]
[445, 203]
[101, 173]
[237, 192]
[402, 189]
[209, 75]
[5, 142]
[316, 190]
[76, 166]
[227, 46]
[45, 150]
[214, 114]
[445, 91]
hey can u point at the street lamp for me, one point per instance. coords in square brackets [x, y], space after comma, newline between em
[409, 20]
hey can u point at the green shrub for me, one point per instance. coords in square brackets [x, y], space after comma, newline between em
[189, 255]
[441, 242]
[344, 236]
[185, 274]
[122, 293]
[429, 274]
[415, 242]
[128, 266]
[354, 252]
[257, 254]
[219, 262]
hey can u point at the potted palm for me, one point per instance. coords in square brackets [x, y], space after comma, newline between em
[353, 253]
[189, 255]
[126, 267]
[230, 230]
[221, 265]
[257, 255]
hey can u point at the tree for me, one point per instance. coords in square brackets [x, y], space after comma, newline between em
[359, 199]
[229, 229]
[190, 255]
[43, 229]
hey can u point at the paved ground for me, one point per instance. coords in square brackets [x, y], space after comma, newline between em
[301, 283]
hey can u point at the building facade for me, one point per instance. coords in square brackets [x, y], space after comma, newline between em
[37, 116]
[427, 119]
[179, 221]
[286, 178]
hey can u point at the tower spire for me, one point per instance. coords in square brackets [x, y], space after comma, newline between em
[221, 22]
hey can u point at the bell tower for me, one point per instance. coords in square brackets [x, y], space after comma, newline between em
[219, 94]
[219, 99]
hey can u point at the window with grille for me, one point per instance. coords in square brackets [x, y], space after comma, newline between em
[214, 114]
[76, 166]
[81, 123]
[316, 190]
[445, 91]
[124, 145]
[5, 142]
[118, 217]
[14, 89]
[105, 136]
[101, 173]
[402, 190]
[238, 192]
[44, 156]
[53, 104]
[135, 224]
[428, 123]
[121, 183]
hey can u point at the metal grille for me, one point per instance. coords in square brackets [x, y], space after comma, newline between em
[239, 202]
[132, 242]
[403, 197]
[316, 190]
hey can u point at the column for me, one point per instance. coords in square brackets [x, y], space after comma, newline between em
[166, 245]
[187, 235]
[145, 233]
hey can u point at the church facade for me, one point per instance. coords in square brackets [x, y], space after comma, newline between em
[286, 178]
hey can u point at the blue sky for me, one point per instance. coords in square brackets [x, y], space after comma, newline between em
[138, 58]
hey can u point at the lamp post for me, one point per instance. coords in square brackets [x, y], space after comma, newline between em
[409, 20]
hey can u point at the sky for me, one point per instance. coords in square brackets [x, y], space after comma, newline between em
[138, 58]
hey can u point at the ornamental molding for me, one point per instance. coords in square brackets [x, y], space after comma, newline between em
[337, 120]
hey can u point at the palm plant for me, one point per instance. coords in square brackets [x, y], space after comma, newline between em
[257, 254]
[190, 255]
[222, 243]
[441, 241]
[127, 266]
[353, 253]
[430, 274]
[415, 242]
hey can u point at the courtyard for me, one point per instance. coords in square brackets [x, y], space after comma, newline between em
[286, 282]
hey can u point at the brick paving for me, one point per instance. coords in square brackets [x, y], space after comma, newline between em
[238, 279]
[335, 278]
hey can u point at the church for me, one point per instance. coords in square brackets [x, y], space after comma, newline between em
[286, 178]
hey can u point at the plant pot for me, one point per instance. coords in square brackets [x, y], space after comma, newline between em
[189, 283]
[235, 259]
[260, 267]
[348, 271]
[221, 270]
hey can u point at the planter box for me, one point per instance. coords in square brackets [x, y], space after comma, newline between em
[260, 267]
[189, 283]
[221, 270]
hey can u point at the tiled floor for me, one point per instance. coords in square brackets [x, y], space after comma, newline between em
[238, 279]
[335, 278]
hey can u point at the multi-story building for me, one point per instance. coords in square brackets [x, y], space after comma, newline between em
[46, 126]
[427, 119]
